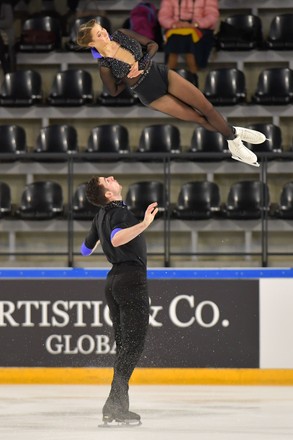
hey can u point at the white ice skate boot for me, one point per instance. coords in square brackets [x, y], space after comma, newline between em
[242, 153]
[250, 136]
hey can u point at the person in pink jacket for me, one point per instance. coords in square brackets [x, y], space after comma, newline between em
[189, 29]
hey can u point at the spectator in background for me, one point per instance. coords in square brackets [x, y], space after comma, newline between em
[189, 29]
[143, 19]
[7, 37]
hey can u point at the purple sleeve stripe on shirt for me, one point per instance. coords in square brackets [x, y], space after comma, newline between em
[115, 232]
[85, 251]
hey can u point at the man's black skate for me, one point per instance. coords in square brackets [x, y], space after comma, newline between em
[120, 419]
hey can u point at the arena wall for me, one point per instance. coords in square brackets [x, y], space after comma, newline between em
[206, 326]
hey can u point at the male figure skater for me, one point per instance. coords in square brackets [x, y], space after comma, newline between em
[120, 235]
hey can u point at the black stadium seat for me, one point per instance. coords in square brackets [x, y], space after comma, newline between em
[21, 88]
[273, 133]
[240, 32]
[41, 200]
[57, 138]
[108, 138]
[284, 208]
[225, 86]
[281, 32]
[160, 138]
[205, 141]
[5, 199]
[125, 98]
[247, 200]
[141, 194]
[12, 140]
[40, 34]
[198, 200]
[72, 87]
[274, 87]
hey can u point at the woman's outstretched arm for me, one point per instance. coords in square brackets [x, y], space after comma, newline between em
[150, 45]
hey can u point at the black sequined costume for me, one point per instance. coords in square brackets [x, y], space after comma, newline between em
[151, 84]
[119, 68]
[154, 83]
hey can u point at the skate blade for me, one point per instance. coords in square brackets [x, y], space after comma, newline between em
[255, 164]
[120, 424]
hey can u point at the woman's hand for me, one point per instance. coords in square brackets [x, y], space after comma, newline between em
[134, 71]
[182, 24]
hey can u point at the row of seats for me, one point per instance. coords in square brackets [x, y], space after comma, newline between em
[249, 199]
[237, 32]
[114, 138]
[44, 33]
[245, 32]
[43, 200]
[74, 87]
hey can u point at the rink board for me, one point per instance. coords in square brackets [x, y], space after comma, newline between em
[206, 326]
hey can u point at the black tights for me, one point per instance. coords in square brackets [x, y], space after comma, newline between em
[185, 101]
[128, 301]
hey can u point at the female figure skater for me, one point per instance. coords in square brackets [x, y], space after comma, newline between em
[125, 60]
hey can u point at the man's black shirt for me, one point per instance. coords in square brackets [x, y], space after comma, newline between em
[116, 215]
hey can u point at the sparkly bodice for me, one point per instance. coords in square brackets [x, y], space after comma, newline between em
[120, 69]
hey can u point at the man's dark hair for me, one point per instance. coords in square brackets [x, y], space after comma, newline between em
[95, 192]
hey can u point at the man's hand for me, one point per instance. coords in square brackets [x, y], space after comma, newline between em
[134, 71]
[150, 214]
[126, 235]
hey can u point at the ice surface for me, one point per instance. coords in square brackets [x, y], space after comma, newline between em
[49, 412]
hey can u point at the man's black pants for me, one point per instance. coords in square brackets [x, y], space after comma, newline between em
[128, 301]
